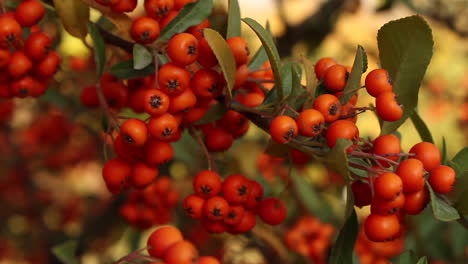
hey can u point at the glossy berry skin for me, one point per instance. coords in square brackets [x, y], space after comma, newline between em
[162, 239]
[388, 108]
[380, 228]
[197, 30]
[411, 172]
[19, 65]
[155, 102]
[116, 173]
[428, 154]
[416, 202]
[10, 31]
[272, 211]
[207, 183]
[208, 260]
[322, 65]
[239, 49]
[387, 144]
[234, 216]
[124, 6]
[216, 208]
[193, 206]
[157, 152]
[387, 207]
[145, 30]
[163, 127]
[173, 80]
[134, 132]
[310, 123]
[442, 179]
[235, 189]
[142, 175]
[388, 186]
[29, 12]
[283, 129]
[183, 49]
[362, 193]
[213, 226]
[335, 78]
[158, 9]
[37, 46]
[254, 196]
[206, 56]
[329, 106]
[48, 66]
[246, 224]
[205, 83]
[378, 82]
[183, 102]
[218, 140]
[341, 129]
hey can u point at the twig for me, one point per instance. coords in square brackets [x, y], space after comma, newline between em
[200, 142]
[372, 156]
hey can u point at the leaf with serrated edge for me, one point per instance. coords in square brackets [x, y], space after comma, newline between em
[74, 15]
[421, 127]
[272, 51]
[234, 18]
[99, 48]
[337, 160]
[225, 58]
[441, 210]
[354, 80]
[405, 50]
[190, 15]
[342, 251]
[142, 57]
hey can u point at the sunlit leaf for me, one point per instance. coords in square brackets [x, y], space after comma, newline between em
[142, 57]
[234, 20]
[74, 15]
[354, 80]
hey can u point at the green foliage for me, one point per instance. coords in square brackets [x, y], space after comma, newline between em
[407, 257]
[342, 251]
[190, 15]
[260, 56]
[99, 48]
[142, 57]
[353, 83]
[271, 50]
[213, 114]
[234, 20]
[421, 127]
[225, 58]
[405, 50]
[440, 208]
[337, 159]
[74, 15]
[125, 70]
[65, 252]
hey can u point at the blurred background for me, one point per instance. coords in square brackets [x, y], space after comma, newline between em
[52, 150]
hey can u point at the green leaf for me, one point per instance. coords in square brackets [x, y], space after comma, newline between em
[74, 15]
[142, 57]
[190, 15]
[405, 50]
[321, 89]
[65, 252]
[260, 56]
[358, 171]
[422, 260]
[234, 20]
[124, 70]
[310, 198]
[407, 257]
[99, 48]
[271, 50]
[353, 84]
[442, 210]
[342, 251]
[337, 160]
[444, 152]
[225, 58]
[421, 127]
[311, 81]
[461, 159]
[215, 113]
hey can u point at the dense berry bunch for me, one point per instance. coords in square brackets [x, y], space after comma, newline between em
[311, 238]
[152, 205]
[168, 244]
[370, 252]
[231, 205]
[27, 61]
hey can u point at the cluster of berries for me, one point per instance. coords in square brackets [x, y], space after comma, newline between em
[311, 238]
[27, 64]
[231, 205]
[392, 194]
[152, 205]
[168, 244]
[370, 252]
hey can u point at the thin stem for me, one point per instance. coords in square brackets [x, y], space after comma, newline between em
[242, 108]
[156, 71]
[203, 147]
[372, 156]
[398, 155]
